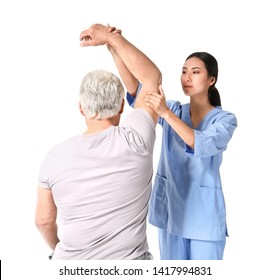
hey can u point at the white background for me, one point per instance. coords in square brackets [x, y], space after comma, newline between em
[42, 65]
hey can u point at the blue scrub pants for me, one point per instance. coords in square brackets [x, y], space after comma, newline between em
[173, 247]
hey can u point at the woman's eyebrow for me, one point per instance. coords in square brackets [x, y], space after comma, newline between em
[194, 67]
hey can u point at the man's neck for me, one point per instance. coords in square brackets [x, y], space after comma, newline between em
[95, 125]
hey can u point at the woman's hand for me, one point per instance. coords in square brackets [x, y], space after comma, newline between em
[157, 102]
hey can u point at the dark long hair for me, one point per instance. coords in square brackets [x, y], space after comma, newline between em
[211, 66]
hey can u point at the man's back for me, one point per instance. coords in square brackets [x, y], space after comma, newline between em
[101, 185]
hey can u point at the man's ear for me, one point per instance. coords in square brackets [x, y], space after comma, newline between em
[80, 109]
[122, 106]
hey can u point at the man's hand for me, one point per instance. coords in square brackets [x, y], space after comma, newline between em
[96, 35]
[113, 30]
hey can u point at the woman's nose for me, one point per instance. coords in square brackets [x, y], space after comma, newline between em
[188, 77]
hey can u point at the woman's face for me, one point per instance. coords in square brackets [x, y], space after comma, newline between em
[194, 77]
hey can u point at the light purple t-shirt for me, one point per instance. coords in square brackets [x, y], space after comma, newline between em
[101, 185]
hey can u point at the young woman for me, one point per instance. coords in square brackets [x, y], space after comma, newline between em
[187, 203]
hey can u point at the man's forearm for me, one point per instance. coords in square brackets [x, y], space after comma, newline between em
[49, 233]
[136, 61]
[129, 80]
[141, 67]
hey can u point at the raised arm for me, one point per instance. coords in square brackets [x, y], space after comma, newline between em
[141, 67]
[130, 81]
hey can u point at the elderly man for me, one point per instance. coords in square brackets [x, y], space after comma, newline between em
[97, 185]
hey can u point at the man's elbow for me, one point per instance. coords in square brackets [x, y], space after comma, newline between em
[159, 77]
[155, 80]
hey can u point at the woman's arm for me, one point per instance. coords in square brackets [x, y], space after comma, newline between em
[157, 102]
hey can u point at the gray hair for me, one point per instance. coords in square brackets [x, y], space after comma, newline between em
[101, 94]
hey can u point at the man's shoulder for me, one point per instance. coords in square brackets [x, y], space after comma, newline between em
[138, 129]
[138, 117]
[62, 145]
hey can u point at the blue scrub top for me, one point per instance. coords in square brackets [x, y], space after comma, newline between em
[187, 198]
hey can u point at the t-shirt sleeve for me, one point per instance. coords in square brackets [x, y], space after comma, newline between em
[43, 178]
[139, 129]
[44, 171]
